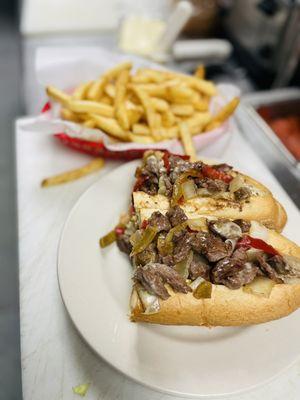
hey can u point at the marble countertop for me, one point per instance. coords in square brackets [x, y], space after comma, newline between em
[54, 357]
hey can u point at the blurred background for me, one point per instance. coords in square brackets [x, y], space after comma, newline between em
[254, 44]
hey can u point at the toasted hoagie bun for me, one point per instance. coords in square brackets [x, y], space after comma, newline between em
[227, 307]
[261, 206]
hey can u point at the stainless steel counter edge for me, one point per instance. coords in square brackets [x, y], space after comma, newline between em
[287, 174]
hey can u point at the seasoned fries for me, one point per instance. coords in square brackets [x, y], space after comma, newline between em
[223, 114]
[187, 141]
[81, 91]
[58, 95]
[119, 99]
[111, 126]
[145, 106]
[200, 71]
[93, 166]
[90, 107]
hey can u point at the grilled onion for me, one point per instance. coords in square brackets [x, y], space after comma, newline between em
[189, 189]
[260, 286]
[236, 183]
[149, 301]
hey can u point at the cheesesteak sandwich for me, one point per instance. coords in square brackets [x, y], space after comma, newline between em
[165, 180]
[207, 271]
[199, 240]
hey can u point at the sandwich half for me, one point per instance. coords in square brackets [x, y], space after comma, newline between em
[209, 271]
[164, 180]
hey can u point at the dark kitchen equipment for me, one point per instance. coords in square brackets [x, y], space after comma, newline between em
[266, 35]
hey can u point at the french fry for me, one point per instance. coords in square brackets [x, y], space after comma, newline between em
[159, 105]
[223, 114]
[83, 116]
[119, 104]
[152, 89]
[187, 141]
[152, 75]
[141, 129]
[167, 119]
[134, 115]
[169, 133]
[197, 123]
[69, 176]
[203, 86]
[110, 126]
[157, 134]
[148, 108]
[140, 138]
[140, 79]
[182, 110]
[181, 94]
[201, 105]
[95, 91]
[69, 115]
[58, 95]
[200, 71]
[89, 123]
[114, 72]
[88, 106]
[81, 91]
[110, 90]
[206, 87]
[158, 123]
[106, 99]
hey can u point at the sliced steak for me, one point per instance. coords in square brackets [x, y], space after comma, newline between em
[278, 264]
[223, 167]
[197, 165]
[199, 267]
[267, 269]
[153, 276]
[168, 260]
[150, 186]
[155, 165]
[176, 215]
[151, 281]
[212, 185]
[123, 242]
[159, 221]
[211, 246]
[182, 247]
[242, 193]
[242, 277]
[165, 186]
[244, 225]
[146, 256]
[234, 271]
[177, 166]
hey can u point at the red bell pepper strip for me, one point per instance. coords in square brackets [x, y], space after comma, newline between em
[140, 181]
[119, 230]
[213, 173]
[167, 161]
[46, 107]
[247, 241]
[144, 224]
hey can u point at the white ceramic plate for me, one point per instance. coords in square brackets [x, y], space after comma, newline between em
[192, 361]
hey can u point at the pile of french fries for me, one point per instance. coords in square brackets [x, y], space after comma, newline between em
[145, 107]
